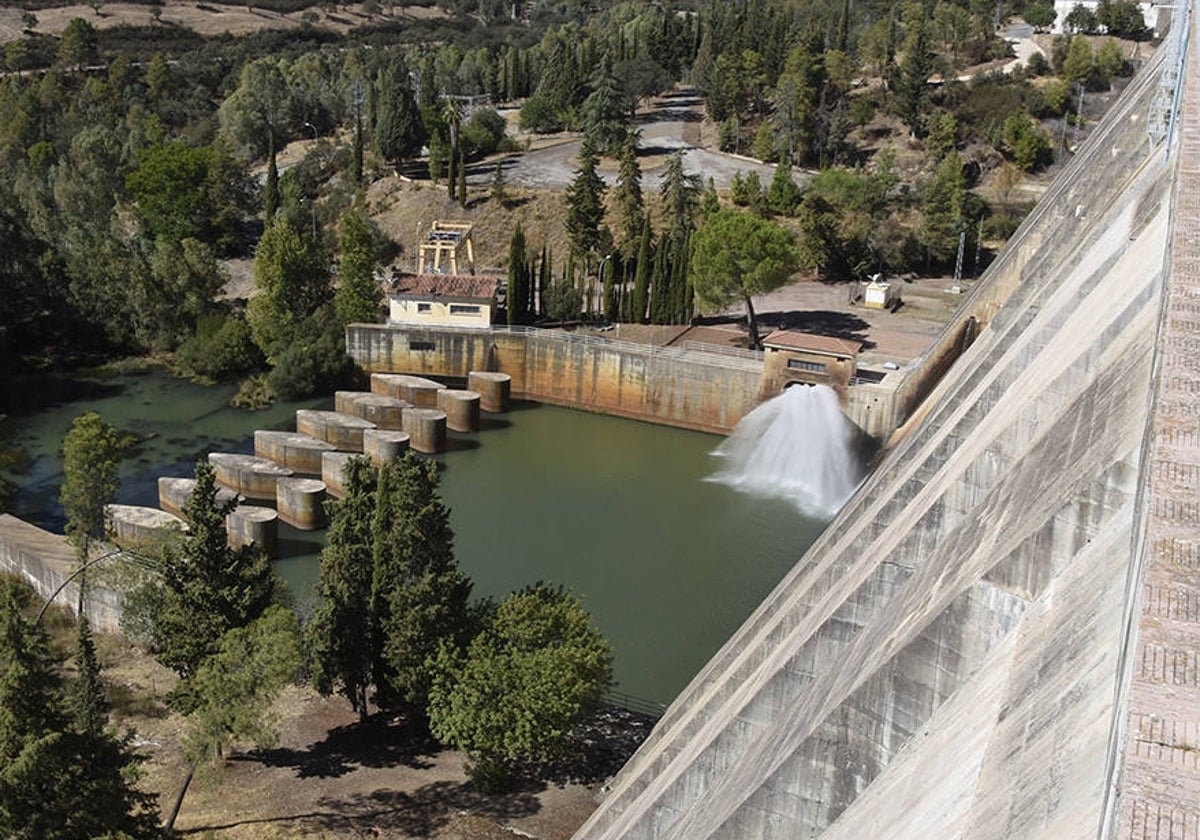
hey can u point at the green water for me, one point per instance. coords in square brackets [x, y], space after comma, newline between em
[668, 564]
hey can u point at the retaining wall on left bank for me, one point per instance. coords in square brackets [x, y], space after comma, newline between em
[45, 560]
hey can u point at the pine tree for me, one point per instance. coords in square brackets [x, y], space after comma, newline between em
[208, 587]
[499, 193]
[628, 194]
[681, 195]
[343, 636]
[86, 703]
[585, 204]
[418, 594]
[61, 776]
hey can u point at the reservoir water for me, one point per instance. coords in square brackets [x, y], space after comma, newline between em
[618, 511]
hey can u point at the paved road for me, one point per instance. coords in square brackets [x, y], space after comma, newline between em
[663, 131]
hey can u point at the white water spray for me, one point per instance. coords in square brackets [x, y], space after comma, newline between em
[798, 446]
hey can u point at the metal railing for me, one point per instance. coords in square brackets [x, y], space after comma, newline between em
[1164, 107]
[712, 354]
[640, 705]
[724, 350]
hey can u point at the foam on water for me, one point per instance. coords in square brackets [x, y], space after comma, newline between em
[798, 446]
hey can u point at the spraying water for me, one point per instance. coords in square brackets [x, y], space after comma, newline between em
[798, 446]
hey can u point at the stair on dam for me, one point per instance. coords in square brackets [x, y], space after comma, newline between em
[296, 470]
[963, 652]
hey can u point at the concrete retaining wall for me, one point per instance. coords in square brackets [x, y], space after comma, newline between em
[45, 560]
[686, 388]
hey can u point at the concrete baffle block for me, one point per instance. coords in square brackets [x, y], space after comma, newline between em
[462, 409]
[249, 475]
[138, 525]
[298, 452]
[332, 466]
[253, 525]
[342, 431]
[383, 447]
[418, 390]
[301, 502]
[173, 494]
[426, 428]
[494, 389]
[384, 411]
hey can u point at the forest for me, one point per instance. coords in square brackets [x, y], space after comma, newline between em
[137, 160]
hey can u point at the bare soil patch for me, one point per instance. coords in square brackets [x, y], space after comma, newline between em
[200, 17]
[332, 777]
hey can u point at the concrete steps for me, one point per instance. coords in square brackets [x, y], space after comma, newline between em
[296, 471]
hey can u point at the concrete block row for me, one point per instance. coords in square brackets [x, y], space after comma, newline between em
[299, 501]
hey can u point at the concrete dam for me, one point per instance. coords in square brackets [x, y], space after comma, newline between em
[999, 634]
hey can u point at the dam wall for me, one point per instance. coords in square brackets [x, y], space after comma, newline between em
[952, 657]
[694, 389]
[45, 560]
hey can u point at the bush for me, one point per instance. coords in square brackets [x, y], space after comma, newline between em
[221, 349]
[537, 115]
[482, 134]
[309, 367]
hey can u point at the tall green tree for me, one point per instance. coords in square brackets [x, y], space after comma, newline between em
[520, 687]
[399, 130]
[343, 636]
[915, 68]
[736, 256]
[628, 195]
[681, 197]
[418, 594]
[291, 271]
[91, 459]
[942, 209]
[208, 588]
[641, 281]
[62, 775]
[603, 111]
[518, 277]
[585, 204]
[358, 297]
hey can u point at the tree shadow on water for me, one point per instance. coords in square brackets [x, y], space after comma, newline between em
[383, 740]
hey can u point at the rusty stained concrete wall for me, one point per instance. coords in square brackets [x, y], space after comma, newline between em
[688, 389]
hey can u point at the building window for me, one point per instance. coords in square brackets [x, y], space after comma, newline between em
[464, 309]
[804, 364]
[420, 345]
[424, 307]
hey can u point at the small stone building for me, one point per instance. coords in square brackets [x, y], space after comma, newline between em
[442, 300]
[792, 356]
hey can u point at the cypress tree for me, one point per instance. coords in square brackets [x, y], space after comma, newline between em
[518, 295]
[343, 636]
[641, 281]
[418, 593]
[271, 190]
[544, 279]
[86, 704]
[660, 290]
[462, 180]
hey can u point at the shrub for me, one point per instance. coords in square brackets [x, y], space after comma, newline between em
[221, 349]
[312, 366]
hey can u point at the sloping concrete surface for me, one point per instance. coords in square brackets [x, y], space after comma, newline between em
[960, 654]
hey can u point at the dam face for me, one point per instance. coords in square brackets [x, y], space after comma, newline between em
[998, 635]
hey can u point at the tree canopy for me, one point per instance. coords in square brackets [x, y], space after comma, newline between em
[736, 256]
[519, 688]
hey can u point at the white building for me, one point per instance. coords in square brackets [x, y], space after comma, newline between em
[442, 300]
